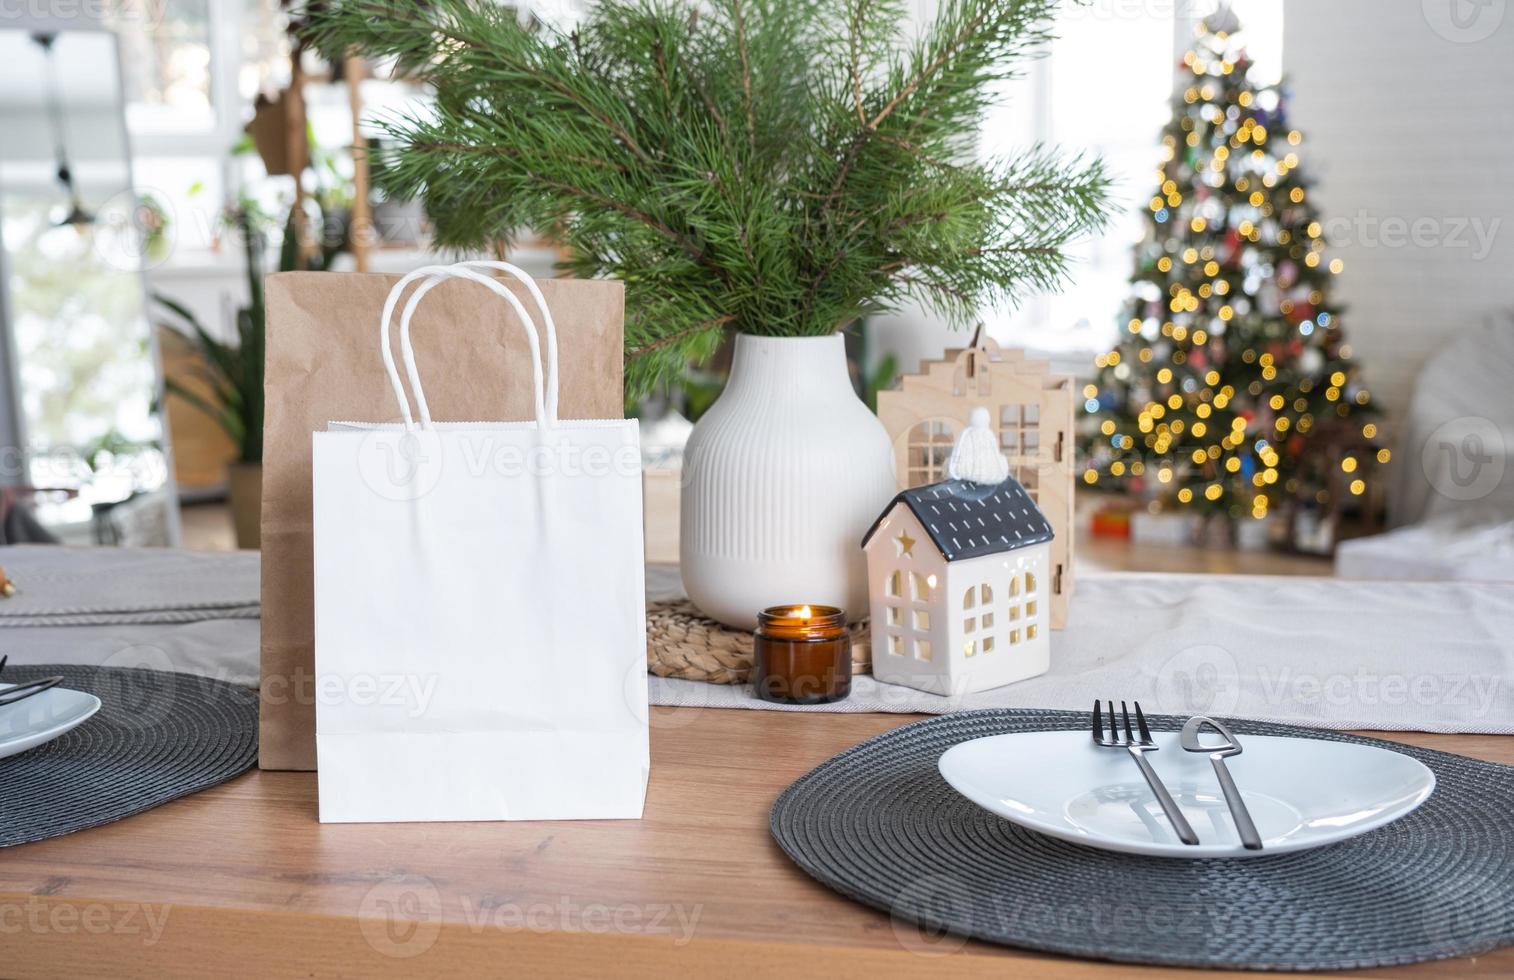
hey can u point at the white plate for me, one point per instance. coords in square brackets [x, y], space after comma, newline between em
[1302, 793]
[42, 718]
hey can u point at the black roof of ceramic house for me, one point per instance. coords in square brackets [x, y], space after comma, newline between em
[970, 520]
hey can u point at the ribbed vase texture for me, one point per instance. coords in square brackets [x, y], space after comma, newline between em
[783, 475]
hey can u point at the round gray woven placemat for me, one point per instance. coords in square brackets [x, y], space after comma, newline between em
[157, 736]
[878, 824]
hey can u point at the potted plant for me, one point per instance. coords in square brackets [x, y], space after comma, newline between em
[233, 369]
[776, 169]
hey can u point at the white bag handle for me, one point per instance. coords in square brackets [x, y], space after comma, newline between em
[544, 389]
[460, 270]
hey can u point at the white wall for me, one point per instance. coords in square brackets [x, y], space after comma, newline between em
[1408, 121]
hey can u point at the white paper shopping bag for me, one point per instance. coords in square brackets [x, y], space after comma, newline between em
[479, 604]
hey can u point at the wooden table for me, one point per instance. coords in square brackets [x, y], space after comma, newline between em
[242, 880]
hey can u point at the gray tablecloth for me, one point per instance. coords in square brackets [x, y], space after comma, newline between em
[1436, 656]
[1328, 653]
[193, 612]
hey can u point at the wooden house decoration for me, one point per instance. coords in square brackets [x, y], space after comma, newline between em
[1031, 411]
[958, 584]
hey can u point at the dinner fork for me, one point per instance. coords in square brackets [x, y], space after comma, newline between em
[1138, 746]
[20, 692]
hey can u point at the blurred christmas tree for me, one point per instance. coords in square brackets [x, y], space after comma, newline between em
[1232, 370]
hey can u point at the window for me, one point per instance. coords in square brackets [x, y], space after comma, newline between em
[988, 644]
[896, 644]
[896, 583]
[1020, 440]
[922, 620]
[1050, 104]
[971, 596]
[78, 382]
[168, 60]
[1016, 610]
[922, 650]
[929, 445]
[922, 586]
[895, 616]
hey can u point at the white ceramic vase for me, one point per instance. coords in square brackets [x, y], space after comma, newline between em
[782, 477]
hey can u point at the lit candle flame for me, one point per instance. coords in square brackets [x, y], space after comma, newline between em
[804, 612]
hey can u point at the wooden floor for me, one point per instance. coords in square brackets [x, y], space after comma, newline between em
[207, 527]
[1121, 555]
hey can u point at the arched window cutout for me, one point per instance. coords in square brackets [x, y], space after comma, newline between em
[968, 597]
[1014, 586]
[928, 447]
[986, 593]
[1030, 583]
[896, 583]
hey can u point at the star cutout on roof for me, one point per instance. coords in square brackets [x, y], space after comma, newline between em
[905, 544]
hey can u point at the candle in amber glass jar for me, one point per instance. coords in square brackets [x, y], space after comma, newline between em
[802, 655]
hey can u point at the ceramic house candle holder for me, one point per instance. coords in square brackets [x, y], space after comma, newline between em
[958, 580]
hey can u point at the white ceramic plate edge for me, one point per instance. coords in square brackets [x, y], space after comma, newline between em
[994, 805]
[29, 741]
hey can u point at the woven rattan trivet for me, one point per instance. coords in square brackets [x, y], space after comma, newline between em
[683, 643]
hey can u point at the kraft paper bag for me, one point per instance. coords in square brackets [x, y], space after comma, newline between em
[322, 363]
[480, 616]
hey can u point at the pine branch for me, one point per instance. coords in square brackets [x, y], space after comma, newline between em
[854, 40]
[677, 338]
[925, 74]
[587, 196]
[746, 74]
[770, 166]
